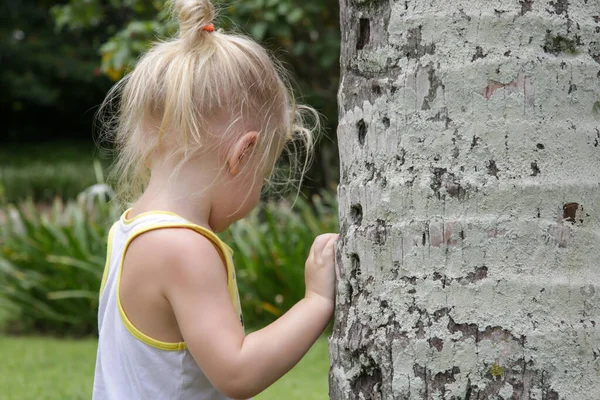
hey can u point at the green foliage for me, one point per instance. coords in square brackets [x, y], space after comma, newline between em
[270, 249]
[305, 35]
[48, 79]
[308, 30]
[51, 261]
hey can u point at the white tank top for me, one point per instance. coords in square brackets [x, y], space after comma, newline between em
[131, 365]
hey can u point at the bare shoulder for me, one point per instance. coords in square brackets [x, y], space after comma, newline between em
[162, 266]
[178, 254]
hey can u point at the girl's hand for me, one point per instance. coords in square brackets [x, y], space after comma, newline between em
[319, 273]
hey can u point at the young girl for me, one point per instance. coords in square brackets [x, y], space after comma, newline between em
[203, 119]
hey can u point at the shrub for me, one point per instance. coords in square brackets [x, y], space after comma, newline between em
[270, 249]
[51, 261]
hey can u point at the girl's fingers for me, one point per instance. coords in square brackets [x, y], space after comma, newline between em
[329, 247]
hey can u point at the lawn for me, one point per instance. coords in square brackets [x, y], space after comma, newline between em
[50, 369]
[44, 170]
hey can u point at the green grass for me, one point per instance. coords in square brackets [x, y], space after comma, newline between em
[51, 369]
[46, 369]
[42, 171]
[308, 381]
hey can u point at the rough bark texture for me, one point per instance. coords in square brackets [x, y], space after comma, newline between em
[469, 201]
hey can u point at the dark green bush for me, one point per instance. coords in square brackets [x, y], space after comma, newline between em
[51, 261]
[270, 248]
[51, 264]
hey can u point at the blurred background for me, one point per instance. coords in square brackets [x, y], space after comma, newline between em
[58, 59]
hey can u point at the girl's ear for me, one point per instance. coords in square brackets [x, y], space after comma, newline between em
[241, 150]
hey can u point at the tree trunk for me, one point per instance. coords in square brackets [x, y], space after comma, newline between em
[469, 201]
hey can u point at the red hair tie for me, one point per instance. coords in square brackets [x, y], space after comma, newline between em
[208, 28]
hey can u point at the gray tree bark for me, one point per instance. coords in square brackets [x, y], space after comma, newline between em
[469, 201]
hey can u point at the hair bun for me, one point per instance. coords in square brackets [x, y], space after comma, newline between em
[193, 15]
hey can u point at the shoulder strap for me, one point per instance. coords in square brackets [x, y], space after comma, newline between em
[153, 220]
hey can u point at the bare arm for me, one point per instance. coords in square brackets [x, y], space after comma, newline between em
[238, 366]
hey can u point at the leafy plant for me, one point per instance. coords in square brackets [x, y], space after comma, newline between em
[51, 263]
[49, 79]
[309, 29]
[270, 249]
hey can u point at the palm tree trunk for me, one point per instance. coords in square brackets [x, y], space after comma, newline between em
[469, 201]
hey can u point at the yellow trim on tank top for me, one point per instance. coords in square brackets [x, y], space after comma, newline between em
[128, 324]
[128, 221]
[111, 234]
[216, 239]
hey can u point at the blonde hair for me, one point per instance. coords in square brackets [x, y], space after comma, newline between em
[183, 85]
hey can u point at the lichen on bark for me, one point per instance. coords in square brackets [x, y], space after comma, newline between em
[469, 201]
